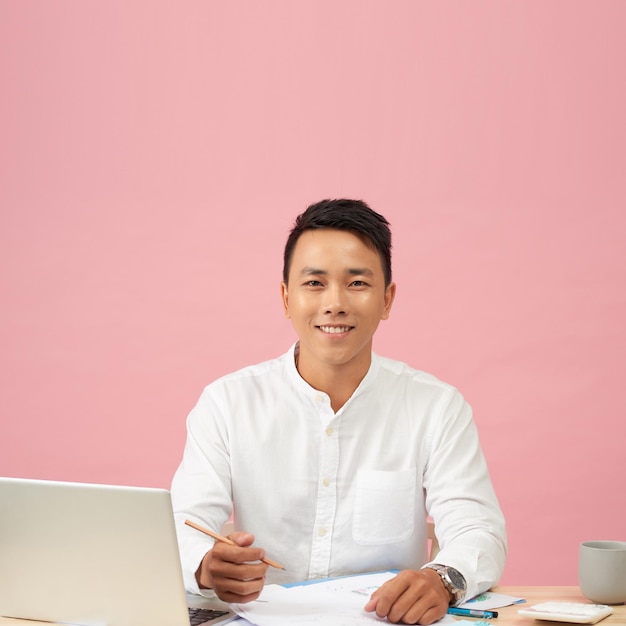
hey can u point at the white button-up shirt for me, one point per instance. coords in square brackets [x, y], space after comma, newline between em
[327, 493]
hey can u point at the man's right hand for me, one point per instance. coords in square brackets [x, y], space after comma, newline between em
[235, 573]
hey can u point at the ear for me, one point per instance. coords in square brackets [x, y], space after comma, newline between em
[390, 294]
[285, 298]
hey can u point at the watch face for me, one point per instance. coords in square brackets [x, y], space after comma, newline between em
[456, 578]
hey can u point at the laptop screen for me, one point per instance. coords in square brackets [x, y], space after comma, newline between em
[96, 555]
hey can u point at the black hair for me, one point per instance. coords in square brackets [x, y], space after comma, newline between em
[344, 214]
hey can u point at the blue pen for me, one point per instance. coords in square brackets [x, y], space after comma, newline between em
[453, 610]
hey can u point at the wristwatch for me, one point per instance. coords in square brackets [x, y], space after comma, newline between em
[452, 580]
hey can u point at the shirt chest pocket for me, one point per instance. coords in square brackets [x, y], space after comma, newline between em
[384, 507]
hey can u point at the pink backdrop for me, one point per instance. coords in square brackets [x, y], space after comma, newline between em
[154, 154]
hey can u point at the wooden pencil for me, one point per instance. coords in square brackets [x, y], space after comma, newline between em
[230, 542]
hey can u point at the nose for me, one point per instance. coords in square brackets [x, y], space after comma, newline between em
[335, 300]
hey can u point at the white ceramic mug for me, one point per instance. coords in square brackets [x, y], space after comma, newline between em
[602, 571]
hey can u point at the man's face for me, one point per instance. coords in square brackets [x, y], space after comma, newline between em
[335, 298]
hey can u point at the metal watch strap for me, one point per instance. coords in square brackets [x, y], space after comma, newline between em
[452, 580]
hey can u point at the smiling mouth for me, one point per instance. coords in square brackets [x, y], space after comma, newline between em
[335, 330]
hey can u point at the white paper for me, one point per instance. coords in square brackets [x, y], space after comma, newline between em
[335, 602]
[490, 600]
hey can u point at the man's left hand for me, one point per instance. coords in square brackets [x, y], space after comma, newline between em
[411, 597]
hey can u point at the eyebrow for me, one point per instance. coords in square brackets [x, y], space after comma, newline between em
[356, 271]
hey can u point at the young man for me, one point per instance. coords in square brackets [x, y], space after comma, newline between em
[332, 455]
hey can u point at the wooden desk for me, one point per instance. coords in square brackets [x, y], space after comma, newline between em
[508, 615]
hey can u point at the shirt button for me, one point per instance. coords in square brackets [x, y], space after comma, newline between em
[329, 431]
[320, 397]
[322, 532]
[326, 482]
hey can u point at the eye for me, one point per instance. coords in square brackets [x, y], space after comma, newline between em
[358, 283]
[313, 283]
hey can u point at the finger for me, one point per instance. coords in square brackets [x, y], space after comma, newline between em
[237, 554]
[232, 597]
[418, 616]
[237, 571]
[241, 538]
[406, 610]
[384, 598]
[370, 607]
[230, 590]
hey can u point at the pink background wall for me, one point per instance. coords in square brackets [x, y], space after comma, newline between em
[153, 157]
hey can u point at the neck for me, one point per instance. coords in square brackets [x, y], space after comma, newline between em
[339, 382]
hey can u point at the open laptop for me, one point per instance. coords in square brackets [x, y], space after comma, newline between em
[94, 555]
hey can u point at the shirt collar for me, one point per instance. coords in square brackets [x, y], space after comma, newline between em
[304, 387]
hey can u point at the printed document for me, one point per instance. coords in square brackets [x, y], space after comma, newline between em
[334, 602]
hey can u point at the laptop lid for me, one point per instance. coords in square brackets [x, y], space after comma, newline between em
[95, 555]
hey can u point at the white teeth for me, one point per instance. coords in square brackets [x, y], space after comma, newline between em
[335, 329]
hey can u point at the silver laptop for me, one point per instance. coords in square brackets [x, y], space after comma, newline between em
[94, 555]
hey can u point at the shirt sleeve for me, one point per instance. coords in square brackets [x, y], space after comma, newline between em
[461, 500]
[201, 489]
